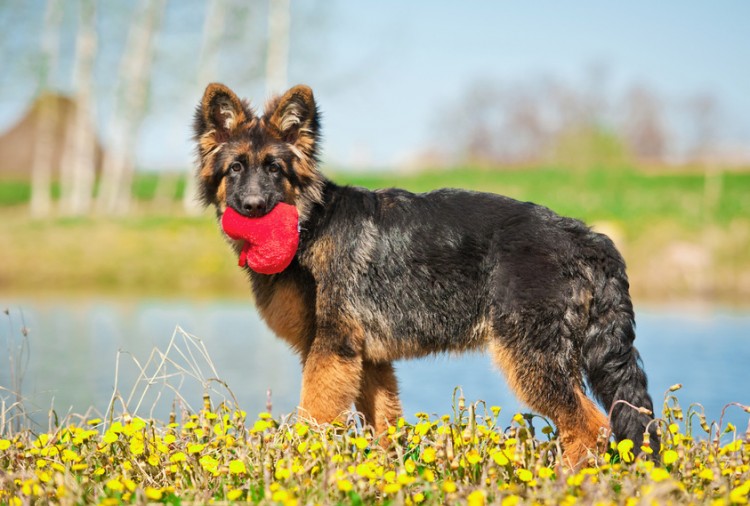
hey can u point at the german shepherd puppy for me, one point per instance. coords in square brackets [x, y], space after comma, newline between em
[388, 274]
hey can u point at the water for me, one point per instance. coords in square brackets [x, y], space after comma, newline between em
[74, 347]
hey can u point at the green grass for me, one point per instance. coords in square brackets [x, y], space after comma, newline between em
[678, 240]
[632, 198]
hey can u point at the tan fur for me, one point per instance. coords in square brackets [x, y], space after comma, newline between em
[221, 106]
[579, 431]
[288, 316]
[330, 384]
[579, 425]
[378, 399]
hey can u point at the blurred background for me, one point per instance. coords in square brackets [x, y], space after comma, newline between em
[633, 117]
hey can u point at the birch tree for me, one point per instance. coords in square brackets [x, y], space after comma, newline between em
[77, 171]
[277, 59]
[130, 108]
[47, 117]
[213, 28]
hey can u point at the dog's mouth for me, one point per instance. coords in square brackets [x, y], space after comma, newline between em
[254, 207]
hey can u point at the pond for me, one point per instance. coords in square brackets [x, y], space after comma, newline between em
[73, 359]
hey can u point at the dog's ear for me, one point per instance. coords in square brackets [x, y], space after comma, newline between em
[296, 119]
[219, 113]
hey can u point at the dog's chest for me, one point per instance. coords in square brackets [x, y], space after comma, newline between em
[286, 312]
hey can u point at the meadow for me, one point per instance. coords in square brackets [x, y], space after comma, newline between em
[476, 455]
[683, 234]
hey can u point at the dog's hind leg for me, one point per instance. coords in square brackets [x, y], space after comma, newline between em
[550, 383]
[378, 398]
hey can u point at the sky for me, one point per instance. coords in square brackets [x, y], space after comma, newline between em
[384, 72]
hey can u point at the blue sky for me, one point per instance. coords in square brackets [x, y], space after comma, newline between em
[383, 71]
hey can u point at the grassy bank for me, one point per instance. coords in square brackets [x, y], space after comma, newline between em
[479, 455]
[683, 236]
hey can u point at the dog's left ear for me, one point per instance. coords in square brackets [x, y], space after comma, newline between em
[295, 117]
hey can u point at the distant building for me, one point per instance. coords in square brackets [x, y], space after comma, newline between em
[17, 143]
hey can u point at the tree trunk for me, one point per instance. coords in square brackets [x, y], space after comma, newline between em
[278, 46]
[213, 29]
[47, 118]
[131, 104]
[79, 157]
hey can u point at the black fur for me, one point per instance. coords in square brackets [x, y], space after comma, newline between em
[388, 274]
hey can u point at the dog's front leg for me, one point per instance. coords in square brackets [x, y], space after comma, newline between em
[331, 379]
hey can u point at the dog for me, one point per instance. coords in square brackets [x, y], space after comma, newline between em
[385, 275]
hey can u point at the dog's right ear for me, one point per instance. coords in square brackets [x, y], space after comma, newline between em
[219, 114]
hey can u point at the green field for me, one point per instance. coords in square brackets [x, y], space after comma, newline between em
[683, 235]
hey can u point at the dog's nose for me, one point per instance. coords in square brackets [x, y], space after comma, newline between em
[254, 206]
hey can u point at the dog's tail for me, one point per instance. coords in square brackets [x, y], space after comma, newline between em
[611, 363]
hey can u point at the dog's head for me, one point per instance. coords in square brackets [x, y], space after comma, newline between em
[252, 162]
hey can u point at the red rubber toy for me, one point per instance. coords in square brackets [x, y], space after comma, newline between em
[270, 241]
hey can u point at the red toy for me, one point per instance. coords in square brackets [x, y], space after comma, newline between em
[270, 241]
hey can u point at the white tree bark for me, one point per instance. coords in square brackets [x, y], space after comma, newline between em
[278, 46]
[131, 103]
[79, 157]
[47, 115]
[213, 29]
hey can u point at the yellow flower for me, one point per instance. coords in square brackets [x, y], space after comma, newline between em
[94, 421]
[706, 474]
[391, 488]
[195, 448]
[545, 472]
[473, 457]
[410, 466]
[4, 444]
[659, 474]
[500, 458]
[153, 493]
[344, 485]
[476, 498]
[235, 494]
[422, 428]
[115, 485]
[449, 487]
[428, 475]
[237, 467]
[178, 457]
[669, 457]
[301, 429]
[360, 443]
[136, 446]
[428, 455]
[109, 437]
[510, 500]
[624, 448]
[260, 426]
[418, 497]
[70, 456]
[739, 494]
[209, 463]
[524, 475]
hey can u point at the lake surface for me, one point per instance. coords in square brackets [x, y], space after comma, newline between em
[73, 359]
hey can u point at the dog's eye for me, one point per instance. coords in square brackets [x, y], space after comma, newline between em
[274, 166]
[236, 167]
